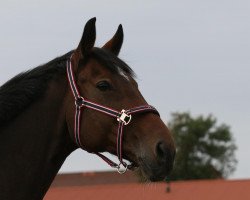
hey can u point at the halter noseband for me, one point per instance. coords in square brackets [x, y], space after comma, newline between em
[124, 117]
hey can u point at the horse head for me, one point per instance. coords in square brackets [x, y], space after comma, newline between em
[99, 80]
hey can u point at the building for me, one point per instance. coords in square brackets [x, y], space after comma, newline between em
[110, 185]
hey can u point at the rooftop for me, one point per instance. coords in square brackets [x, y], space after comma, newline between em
[78, 189]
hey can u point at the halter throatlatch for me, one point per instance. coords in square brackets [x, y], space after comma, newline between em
[123, 117]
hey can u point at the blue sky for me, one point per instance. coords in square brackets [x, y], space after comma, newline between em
[188, 55]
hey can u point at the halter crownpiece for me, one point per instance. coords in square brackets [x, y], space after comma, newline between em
[124, 118]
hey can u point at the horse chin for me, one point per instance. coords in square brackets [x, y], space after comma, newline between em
[148, 172]
[148, 177]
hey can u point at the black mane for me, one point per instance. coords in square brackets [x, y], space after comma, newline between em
[19, 92]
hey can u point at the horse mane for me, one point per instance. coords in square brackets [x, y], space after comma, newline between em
[20, 91]
[25, 88]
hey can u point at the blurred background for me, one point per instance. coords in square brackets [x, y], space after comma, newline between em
[189, 56]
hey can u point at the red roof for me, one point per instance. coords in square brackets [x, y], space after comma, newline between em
[94, 178]
[180, 190]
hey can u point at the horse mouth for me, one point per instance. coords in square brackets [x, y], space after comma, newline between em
[151, 172]
[146, 170]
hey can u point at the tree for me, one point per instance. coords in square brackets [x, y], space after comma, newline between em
[204, 149]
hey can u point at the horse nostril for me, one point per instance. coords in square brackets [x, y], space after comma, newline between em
[162, 151]
[165, 154]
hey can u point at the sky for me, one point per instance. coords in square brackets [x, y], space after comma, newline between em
[188, 55]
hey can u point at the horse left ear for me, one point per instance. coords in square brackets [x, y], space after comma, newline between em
[86, 44]
[114, 45]
[88, 38]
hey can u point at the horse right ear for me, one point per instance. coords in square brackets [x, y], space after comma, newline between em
[114, 45]
[88, 38]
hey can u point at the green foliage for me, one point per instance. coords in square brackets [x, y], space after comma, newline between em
[204, 149]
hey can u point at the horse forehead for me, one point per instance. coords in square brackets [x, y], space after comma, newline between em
[97, 69]
[123, 74]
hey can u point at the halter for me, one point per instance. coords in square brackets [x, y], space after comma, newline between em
[123, 118]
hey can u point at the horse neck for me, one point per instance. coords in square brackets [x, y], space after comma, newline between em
[34, 145]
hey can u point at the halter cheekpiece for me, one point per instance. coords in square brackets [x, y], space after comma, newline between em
[123, 118]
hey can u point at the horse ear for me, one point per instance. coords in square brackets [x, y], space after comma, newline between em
[88, 38]
[114, 45]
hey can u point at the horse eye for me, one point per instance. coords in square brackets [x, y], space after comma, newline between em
[103, 85]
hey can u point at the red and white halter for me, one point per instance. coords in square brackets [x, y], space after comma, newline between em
[123, 118]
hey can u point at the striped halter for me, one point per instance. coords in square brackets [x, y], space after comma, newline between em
[123, 118]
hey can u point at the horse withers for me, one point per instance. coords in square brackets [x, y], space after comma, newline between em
[86, 99]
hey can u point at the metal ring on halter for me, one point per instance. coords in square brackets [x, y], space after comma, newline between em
[79, 101]
[120, 170]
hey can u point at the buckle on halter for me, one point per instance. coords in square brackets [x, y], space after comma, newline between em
[124, 117]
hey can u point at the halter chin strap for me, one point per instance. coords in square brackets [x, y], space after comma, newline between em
[123, 118]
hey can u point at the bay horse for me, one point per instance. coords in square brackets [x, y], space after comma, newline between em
[87, 98]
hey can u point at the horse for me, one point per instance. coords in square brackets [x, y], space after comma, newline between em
[88, 99]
